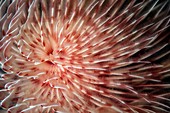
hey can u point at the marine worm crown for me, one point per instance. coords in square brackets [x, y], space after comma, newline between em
[85, 56]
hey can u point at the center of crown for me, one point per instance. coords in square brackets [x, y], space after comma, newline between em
[55, 57]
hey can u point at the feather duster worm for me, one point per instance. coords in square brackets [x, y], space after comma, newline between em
[85, 56]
